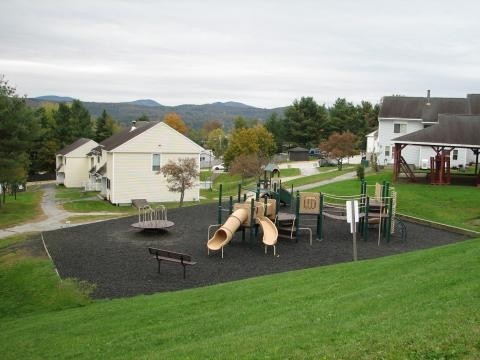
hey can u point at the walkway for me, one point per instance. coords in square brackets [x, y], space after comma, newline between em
[55, 216]
[346, 176]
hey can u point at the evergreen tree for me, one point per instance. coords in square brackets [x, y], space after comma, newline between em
[105, 126]
[304, 122]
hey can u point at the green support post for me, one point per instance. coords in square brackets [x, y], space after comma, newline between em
[230, 206]
[239, 192]
[320, 220]
[265, 207]
[297, 215]
[244, 197]
[389, 221]
[257, 193]
[291, 197]
[365, 224]
[220, 204]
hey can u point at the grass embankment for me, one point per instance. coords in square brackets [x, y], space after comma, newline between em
[71, 194]
[30, 285]
[289, 172]
[452, 205]
[323, 175]
[419, 305]
[25, 208]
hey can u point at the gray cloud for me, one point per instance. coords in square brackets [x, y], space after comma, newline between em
[264, 53]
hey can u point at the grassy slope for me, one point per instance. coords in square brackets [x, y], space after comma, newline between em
[453, 205]
[420, 305]
[25, 208]
[29, 284]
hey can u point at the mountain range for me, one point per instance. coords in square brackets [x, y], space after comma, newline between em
[194, 116]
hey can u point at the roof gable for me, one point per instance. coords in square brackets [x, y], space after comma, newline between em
[122, 137]
[160, 138]
[75, 145]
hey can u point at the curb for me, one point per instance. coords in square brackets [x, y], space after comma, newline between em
[438, 225]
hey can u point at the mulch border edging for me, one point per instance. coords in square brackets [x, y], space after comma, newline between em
[438, 225]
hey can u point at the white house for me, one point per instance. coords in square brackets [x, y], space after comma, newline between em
[372, 143]
[133, 158]
[207, 159]
[72, 164]
[401, 115]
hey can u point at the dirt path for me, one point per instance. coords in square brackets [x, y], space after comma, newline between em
[54, 216]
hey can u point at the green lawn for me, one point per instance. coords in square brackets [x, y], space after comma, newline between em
[96, 206]
[67, 194]
[289, 172]
[310, 179]
[418, 305]
[452, 205]
[25, 208]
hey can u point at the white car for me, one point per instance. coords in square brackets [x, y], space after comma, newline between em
[219, 167]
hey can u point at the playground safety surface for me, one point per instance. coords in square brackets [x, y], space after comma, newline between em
[113, 255]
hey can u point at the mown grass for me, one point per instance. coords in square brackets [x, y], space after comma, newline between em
[30, 285]
[419, 305]
[310, 179]
[452, 205]
[25, 208]
[96, 205]
[289, 172]
[68, 194]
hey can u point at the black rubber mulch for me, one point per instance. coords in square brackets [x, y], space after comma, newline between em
[113, 255]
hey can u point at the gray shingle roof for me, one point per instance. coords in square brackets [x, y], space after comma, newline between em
[76, 144]
[122, 137]
[417, 108]
[459, 130]
[298, 149]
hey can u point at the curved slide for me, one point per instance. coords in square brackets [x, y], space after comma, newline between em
[270, 233]
[223, 235]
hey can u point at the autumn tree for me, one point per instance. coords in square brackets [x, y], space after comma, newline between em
[211, 125]
[339, 146]
[174, 120]
[180, 175]
[255, 140]
[247, 165]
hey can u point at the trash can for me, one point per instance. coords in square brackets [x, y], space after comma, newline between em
[364, 163]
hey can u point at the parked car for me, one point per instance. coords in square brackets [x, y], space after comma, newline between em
[314, 152]
[219, 167]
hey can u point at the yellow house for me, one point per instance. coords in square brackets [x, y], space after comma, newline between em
[72, 164]
[133, 159]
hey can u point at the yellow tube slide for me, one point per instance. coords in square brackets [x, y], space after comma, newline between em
[223, 235]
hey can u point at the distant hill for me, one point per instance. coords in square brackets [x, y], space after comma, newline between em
[55, 98]
[193, 115]
[145, 102]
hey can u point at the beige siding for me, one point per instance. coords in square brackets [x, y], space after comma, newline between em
[135, 179]
[109, 173]
[160, 138]
[76, 171]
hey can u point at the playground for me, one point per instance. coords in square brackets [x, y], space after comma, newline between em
[113, 255]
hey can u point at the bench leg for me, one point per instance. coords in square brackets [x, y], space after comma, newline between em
[159, 266]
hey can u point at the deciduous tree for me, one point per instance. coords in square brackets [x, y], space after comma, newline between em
[247, 165]
[256, 140]
[174, 120]
[180, 175]
[339, 146]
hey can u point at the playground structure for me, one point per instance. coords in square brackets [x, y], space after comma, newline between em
[377, 207]
[151, 218]
[247, 214]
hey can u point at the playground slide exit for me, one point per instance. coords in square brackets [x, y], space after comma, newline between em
[223, 235]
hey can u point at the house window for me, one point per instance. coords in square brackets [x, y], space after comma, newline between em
[455, 155]
[155, 162]
[387, 151]
[399, 128]
[202, 158]
[108, 183]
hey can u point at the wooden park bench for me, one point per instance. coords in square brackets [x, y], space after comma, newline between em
[166, 255]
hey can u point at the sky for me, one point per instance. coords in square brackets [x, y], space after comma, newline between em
[262, 53]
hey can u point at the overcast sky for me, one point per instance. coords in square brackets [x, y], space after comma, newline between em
[262, 53]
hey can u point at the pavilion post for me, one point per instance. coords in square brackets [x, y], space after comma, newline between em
[396, 161]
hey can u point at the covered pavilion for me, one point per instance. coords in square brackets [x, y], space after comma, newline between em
[452, 131]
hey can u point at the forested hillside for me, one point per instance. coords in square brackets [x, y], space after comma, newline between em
[194, 116]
